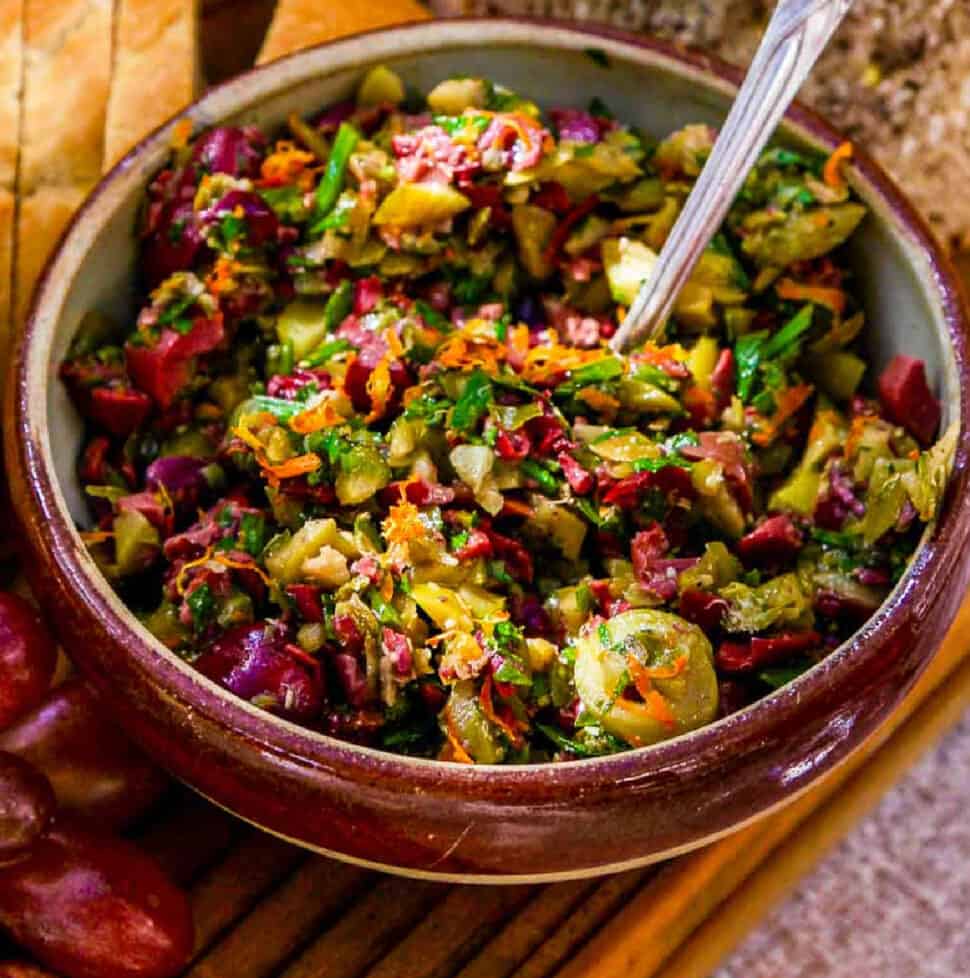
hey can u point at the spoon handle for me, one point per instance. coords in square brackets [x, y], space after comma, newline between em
[795, 37]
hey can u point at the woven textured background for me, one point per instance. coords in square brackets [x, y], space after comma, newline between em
[893, 900]
[896, 77]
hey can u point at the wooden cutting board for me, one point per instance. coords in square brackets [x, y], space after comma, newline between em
[265, 909]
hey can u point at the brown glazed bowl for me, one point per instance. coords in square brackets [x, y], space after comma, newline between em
[485, 823]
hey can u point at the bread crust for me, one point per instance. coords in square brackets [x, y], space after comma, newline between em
[156, 69]
[299, 24]
[11, 78]
[42, 216]
[67, 68]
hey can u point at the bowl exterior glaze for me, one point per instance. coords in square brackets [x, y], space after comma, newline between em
[446, 820]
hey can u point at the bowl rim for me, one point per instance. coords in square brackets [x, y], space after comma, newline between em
[54, 539]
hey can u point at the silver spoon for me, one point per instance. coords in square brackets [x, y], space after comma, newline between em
[795, 37]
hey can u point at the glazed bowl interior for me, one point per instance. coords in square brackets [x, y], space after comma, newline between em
[910, 306]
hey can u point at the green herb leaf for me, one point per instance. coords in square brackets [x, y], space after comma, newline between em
[748, 351]
[202, 605]
[473, 402]
[252, 533]
[510, 672]
[787, 340]
[597, 56]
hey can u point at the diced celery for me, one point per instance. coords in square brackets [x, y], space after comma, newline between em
[136, 542]
[838, 373]
[443, 606]
[563, 527]
[302, 324]
[363, 473]
[533, 227]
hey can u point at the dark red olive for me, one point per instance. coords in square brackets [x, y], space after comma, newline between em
[26, 805]
[94, 770]
[174, 244]
[92, 906]
[907, 399]
[256, 663]
[775, 540]
[28, 657]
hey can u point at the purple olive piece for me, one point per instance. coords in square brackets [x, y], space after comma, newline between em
[228, 149]
[329, 120]
[261, 223]
[175, 243]
[178, 473]
[575, 125]
[253, 662]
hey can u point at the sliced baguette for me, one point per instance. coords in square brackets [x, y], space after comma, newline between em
[156, 69]
[11, 79]
[67, 64]
[299, 24]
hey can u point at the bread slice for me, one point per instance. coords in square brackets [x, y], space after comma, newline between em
[299, 24]
[67, 67]
[11, 76]
[156, 69]
[41, 217]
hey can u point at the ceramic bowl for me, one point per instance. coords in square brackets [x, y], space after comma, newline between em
[426, 818]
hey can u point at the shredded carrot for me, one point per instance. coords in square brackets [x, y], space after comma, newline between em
[492, 715]
[786, 404]
[544, 362]
[379, 389]
[222, 277]
[387, 587]
[411, 394]
[96, 536]
[833, 299]
[186, 567]
[181, 133]
[660, 710]
[859, 424]
[598, 400]
[403, 523]
[393, 342]
[668, 672]
[285, 165]
[292, 467]
[519, 340]
[471, 348]
[640, 676]
[323, 414]
[832, 171]
[227, 561]
[454, 740]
